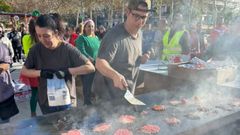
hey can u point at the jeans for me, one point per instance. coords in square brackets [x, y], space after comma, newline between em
[87, 81]
[17, 54]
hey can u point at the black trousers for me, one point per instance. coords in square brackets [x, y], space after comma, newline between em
[87, 81]
[17, 53]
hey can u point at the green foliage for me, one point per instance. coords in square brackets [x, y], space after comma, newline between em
[4, 6]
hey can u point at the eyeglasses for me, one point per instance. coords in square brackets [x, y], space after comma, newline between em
[138, 17]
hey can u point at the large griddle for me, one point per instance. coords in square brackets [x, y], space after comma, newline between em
[85, 118]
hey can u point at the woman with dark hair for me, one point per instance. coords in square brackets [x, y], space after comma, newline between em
[88, 44]
[51, 57]
[28, 41]
[101, 32]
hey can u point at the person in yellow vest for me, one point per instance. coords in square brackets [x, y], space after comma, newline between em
[161, 29]
[28, 41]
[175, 40]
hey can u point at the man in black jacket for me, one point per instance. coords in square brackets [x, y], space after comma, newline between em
[15, 37]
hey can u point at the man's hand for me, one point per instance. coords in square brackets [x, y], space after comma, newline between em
[120, 82]
[145, 58]
[47, 74]
[62, 73]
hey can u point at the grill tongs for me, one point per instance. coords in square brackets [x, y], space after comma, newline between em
[131, 99]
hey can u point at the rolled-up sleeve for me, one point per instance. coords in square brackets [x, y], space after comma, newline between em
[108, 50]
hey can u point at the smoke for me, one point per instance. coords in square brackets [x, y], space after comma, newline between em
[204, 96]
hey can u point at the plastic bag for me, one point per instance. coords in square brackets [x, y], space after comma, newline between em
[57, 92]
[6, 87]
[22, 92]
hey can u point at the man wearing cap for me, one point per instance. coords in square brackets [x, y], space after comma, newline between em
[120, 55]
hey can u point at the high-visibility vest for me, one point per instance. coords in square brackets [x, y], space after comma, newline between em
[27, 43]
[171, 47]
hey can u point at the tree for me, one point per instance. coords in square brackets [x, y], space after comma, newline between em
[4, 6]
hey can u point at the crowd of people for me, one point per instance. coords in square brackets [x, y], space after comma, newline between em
[178, 38]
[106, 61]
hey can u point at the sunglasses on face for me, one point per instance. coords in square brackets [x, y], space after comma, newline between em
[138, 17]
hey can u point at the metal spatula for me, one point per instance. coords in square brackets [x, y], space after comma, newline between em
[131, 99]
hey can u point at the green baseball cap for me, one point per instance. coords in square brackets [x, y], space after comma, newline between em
[36, 13]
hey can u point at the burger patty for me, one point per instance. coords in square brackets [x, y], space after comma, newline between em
[123, 132]
[73, 132]
[103, 127]
[150, 129]
[175, 102]
[126, 119]
[172, 121]
[159, 108]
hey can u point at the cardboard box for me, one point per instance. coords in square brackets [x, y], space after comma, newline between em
[218, 76]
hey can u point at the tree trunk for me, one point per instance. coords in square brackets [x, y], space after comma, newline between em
[190, 11]
[123, 10]
[91, 12]
[172, 10]
[110, 15]
[160, 11]
[77, 19]
[111, 18]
